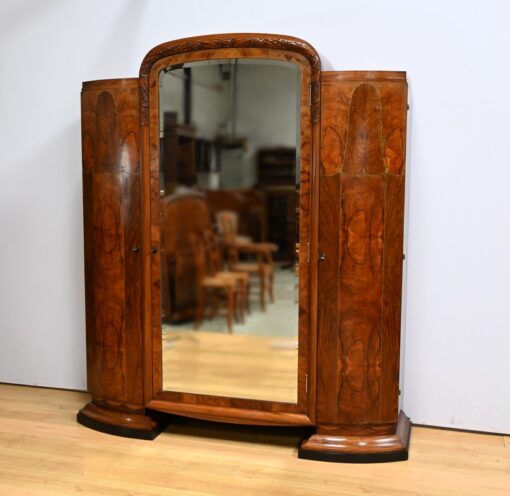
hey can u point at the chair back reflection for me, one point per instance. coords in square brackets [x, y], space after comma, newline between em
[181, 215]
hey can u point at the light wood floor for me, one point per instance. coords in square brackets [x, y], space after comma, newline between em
[43, 451]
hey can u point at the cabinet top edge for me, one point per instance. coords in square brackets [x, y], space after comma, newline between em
[357, 75]
[108, 83]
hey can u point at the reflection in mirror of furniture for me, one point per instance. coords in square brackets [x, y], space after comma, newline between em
[183, 215]
[213, 287]
[260, 267]
[260, 85]
[277, 178]
[228, 226]
[216, 266]
[177, 154]
[350, 211]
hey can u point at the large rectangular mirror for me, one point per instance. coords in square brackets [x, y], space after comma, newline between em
[229, 227]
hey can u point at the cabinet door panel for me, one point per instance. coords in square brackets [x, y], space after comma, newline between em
[363, 131]
[111, 189]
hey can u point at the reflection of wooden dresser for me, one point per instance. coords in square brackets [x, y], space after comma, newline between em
[281, 205]
[177, 154]
[182, 214]
[277, 178]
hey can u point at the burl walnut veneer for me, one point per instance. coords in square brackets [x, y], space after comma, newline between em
[363, 136]
[353, 137]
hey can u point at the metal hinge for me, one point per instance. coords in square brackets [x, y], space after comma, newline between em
[306, 383]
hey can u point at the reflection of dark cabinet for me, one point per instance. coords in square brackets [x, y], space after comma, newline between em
[277, 178]
[177, 154]
[281, 204]
[277, 167]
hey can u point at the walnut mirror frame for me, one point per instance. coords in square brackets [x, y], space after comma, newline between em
[353, 134]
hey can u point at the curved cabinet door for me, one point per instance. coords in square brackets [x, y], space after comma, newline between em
[113, 258]
[363, 136]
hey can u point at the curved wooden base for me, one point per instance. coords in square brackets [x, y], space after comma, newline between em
[125, 424]
[362, 448]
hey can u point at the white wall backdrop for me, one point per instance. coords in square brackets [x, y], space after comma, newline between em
[457, 298]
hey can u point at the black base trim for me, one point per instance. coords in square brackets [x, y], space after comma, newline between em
[324, 456]
[115, 430]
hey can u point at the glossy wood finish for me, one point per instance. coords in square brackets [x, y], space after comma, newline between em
[220, 47]
[351, 213]
[113, 268]
[360, 445]
[363, 135]
[126, 424]
[243, 45]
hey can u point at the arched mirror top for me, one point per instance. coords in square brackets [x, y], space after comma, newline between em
[234, 117]
[233, 45]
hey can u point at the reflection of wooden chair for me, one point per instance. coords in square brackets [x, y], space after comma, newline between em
[263, 267]
[216, 268]
[248, 203]
[212, 289]
[228, 226]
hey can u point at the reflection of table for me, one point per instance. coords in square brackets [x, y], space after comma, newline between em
[257, 248]
[233, 365]
[263, 269]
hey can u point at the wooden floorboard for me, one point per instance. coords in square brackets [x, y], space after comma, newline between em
[43, 451]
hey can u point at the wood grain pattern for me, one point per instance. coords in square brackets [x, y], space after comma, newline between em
[363, 127]
[112, 223]
[348, 382]
[238, 42]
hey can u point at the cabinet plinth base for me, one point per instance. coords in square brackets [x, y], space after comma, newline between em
[360, 449]
[119, 423]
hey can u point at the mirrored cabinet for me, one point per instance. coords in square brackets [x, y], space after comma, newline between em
[243, 217]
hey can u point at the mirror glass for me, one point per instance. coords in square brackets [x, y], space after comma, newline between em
[229, 221]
